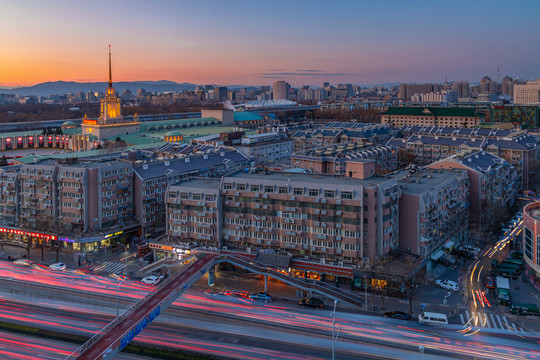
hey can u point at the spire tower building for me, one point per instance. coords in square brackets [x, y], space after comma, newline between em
[111, 123]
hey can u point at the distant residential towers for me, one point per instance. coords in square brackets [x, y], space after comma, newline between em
[281, 90]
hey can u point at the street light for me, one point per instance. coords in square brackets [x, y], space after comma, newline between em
[334, 337]
[365, 288]
[120, 283]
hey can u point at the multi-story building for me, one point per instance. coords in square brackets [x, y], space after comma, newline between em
[462, 88]
[332, 159]
[151, 180]
[9, 195]
[487, 86]
[493, 182]
[527, 94]
[531, 240]
[266, 147]
[37, 194]
[194, 213]
[508, 86]
[433, 209]
[406, 91]
[432, 116]
[347, 220]
[280, 90]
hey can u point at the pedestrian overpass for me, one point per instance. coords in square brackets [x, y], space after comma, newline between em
[116, 335]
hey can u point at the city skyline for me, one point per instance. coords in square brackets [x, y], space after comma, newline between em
[257, 44]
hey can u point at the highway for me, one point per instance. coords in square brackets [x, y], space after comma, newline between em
[240, 328]
[25, 347]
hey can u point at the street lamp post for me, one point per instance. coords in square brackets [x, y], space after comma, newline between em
[120, 283]
[334, 330]
[365, 288]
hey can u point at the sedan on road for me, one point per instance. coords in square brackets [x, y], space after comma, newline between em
[311, 302]
[262, 296]
[397, 315]
[447, 284]
[151, 280]
[58, 266]
[490, 284]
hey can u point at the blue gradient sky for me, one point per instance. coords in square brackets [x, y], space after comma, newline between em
[255, 42]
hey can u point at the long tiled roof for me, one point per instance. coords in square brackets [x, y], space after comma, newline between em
[447, 140]
[431, 111]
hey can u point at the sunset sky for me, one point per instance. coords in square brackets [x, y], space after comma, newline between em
[255, 42]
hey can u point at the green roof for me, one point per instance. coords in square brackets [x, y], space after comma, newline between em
[174, 133]
[180, 124]
[246, 116]
[432, 111]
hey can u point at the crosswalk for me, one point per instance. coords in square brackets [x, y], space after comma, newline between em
[488, 320]
[111, 267]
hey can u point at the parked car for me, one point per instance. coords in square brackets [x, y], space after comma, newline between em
[489, 282]
[447, 284]
[58, 267]
[262, 296]
[151, 280]
[311, 302]
[397, 315]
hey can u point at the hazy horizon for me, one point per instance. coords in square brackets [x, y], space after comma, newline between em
[254, 44]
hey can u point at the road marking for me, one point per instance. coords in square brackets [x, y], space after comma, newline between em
[522, 331]
[462, 319]
[468, 317]
[507, 326]
[493, 321]
[500, 323]
[514, 326]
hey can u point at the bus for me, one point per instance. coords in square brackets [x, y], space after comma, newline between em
[506, 272]
[504, 264]
[518, 262]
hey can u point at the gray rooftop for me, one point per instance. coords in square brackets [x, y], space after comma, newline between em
[421, 181]
[199, 183]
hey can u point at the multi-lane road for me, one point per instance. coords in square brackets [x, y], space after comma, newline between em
[236, 327]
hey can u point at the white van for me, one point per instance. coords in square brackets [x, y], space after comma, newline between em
[430, 318]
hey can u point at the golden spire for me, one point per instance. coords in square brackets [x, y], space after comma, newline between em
[110, 72]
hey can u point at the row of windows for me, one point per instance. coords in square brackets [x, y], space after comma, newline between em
[286, 190]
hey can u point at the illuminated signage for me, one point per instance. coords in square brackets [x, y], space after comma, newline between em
[114, 234]
[28, 233]
[160, 247]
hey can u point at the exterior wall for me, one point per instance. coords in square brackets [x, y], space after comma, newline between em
[409, 223]
[531, 238]
[72, 185]
[38, 203]
[266, 152]
[426, 120]
[360, 170]
[9, 197]
[527, 94]
[226, 116]
[194, 214]
[107, 131]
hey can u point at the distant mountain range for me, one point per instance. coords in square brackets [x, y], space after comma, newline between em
[64, 87]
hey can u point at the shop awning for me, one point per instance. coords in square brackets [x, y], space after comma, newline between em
[437, 255]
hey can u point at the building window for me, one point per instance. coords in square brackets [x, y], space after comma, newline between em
[313, 192]
[241, 187]
[528, 243]
[256, 188]
[209, 198]
[346, 194]
[227, 186]
[184, 195]
[196, 196]
[329, 193]
[298, 191]
[283, 190]
[269, 188]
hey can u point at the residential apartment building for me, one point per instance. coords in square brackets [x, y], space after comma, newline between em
[152, 179]
[431, 116]
[406, 91]
[266, 147]
[9, 195]
[280, 90]
[527, 94]
[433, 209]
[493, 182]
[332, 159]
[346, 220]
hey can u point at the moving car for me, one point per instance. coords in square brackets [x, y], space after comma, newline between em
[447, 284]
[311, 302]
[397, 315]
[262, 296]
[430, 318]
[24, 262]
[151, 280]
[58, 267]
[489, 282]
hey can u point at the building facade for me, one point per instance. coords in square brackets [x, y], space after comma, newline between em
[431, 116]
[531, 240]
[527, 94]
